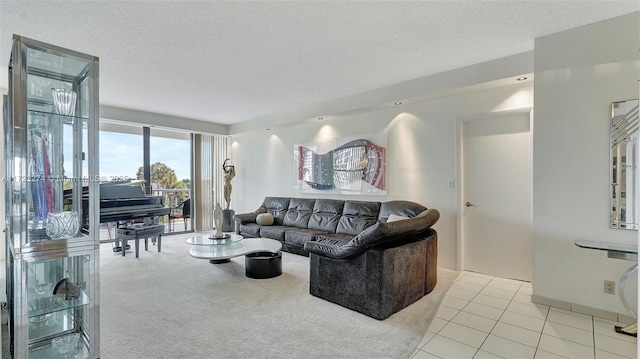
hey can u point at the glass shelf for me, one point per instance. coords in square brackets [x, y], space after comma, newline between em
[39, 249]
[57, 303]
[48, 352]
[51, 324]
[614, 250]
[68, 119]
[40, 242]
[608, 246]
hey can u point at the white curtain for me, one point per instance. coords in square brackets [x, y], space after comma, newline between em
[213, 151]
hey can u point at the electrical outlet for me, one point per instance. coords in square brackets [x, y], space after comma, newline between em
[609, 287]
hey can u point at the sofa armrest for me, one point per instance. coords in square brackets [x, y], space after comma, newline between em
[381, 232]
[323, 248]
[244, 218]
[358, 244]
[422, 221]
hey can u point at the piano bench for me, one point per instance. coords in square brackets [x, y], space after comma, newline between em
[136, 232]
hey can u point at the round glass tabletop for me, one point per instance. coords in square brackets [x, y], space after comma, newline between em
[209, 240]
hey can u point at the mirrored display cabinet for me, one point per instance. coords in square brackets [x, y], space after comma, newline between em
[625, 213]
[51, 210]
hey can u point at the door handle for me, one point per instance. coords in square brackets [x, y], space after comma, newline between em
[469, 204]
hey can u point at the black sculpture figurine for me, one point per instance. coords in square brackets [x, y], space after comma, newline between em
[68, 288]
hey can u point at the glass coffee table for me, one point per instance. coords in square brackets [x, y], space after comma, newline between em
[263, 258]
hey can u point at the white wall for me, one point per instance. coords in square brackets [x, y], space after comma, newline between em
[578, 73]
[421, 150]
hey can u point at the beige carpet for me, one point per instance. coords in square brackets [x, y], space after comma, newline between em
[170, 305]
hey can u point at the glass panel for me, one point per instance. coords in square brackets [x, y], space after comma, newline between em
[120, 153]
[50, 177]
[57, 299]
[170, 157]
[48, 61]
[170, 154]
[120, 156]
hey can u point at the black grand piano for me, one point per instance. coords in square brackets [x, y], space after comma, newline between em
[121, 201]
[125, 203]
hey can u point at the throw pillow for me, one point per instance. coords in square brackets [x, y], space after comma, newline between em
[393, 218]
[264, 219]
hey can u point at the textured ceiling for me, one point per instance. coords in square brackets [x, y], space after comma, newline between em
[228, 62]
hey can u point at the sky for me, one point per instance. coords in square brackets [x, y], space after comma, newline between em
[121, 154]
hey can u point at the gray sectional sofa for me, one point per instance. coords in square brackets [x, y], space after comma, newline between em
[359, 258]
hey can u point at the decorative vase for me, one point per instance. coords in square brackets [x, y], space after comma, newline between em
[62, 225]
[64, 101]
[66, 344]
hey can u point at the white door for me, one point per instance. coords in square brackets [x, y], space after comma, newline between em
[496, 233]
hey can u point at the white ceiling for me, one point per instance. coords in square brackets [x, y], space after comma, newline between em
[232, 61]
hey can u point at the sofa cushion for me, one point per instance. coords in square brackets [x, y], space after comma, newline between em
[264, 219]
[358, 216]
[299, 212]
[278, 207]
[326, 215]
[274, 232]
[299, 236]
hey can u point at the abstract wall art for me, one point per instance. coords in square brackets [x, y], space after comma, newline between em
[344, 165]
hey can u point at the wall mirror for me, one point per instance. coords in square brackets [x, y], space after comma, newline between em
[624, 164]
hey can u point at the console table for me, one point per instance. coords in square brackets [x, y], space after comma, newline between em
[618, 251]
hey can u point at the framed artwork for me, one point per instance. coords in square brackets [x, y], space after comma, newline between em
[344, 165]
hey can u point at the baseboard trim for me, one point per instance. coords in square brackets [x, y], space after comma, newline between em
[582, 309]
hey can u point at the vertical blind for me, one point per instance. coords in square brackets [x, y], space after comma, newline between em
[214, 150]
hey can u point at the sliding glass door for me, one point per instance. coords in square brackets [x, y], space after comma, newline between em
[165, 173]
[170, 166]
[120, 152]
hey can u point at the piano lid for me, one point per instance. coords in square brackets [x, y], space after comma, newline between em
[115, 190]
[125, 201]
[118, 191]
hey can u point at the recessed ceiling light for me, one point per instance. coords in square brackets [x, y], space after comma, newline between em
[522, 78]
[397, 103]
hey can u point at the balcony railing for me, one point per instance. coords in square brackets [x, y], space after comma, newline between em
[176, 222]
[179, 220]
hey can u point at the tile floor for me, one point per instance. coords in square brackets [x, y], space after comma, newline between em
[490, 317]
